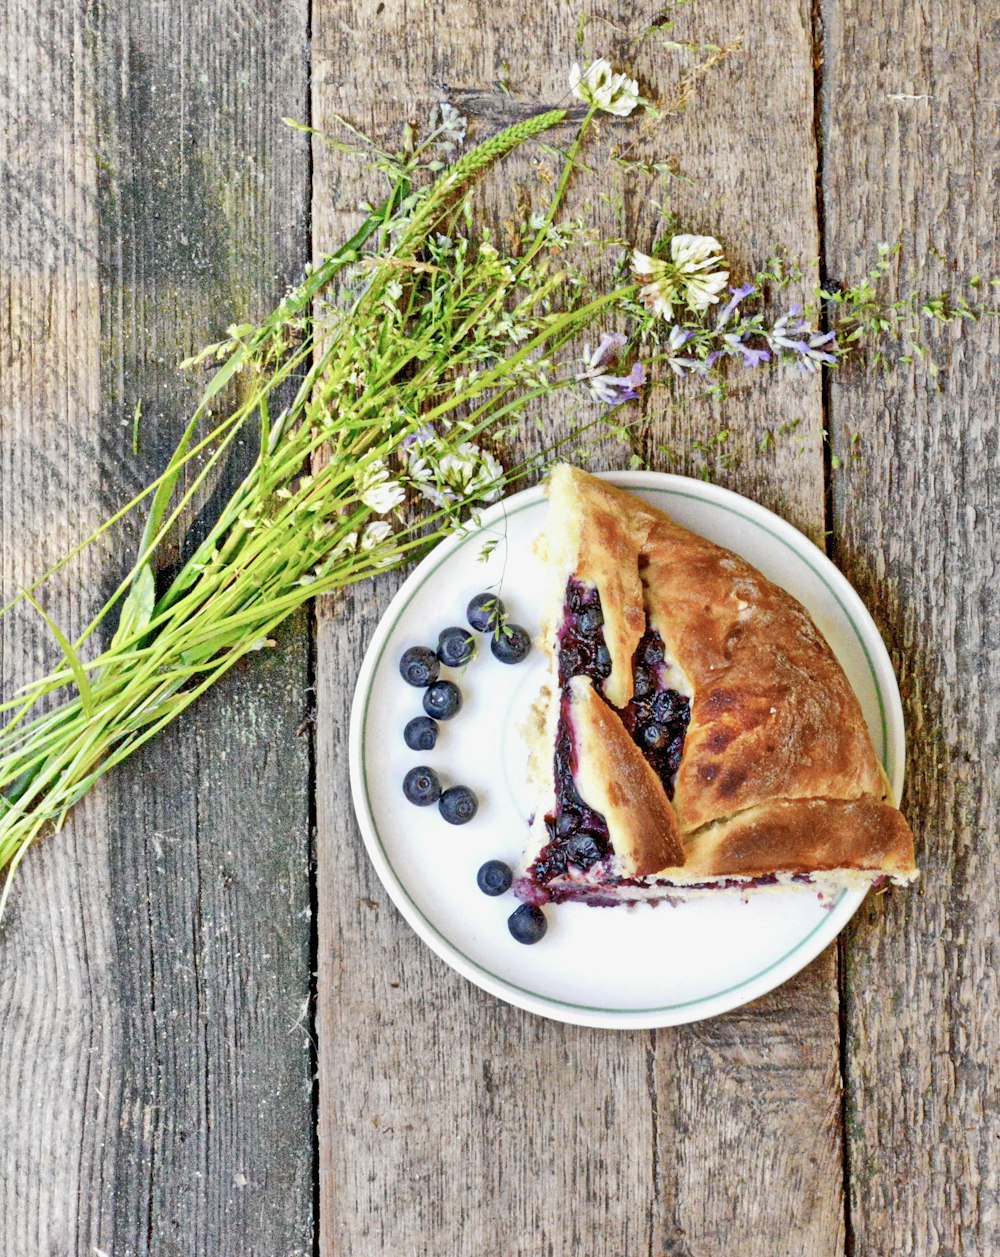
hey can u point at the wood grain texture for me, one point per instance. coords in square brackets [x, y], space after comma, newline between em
[59, 1020]
[450, 1123]
[155, 1065]
[911, 149]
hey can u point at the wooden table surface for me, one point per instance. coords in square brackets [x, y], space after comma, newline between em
[217, 1036]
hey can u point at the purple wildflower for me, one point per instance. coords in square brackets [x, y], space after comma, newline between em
[792, 333]
[680, 366]
[753, 357]
[612, 390]
[679, 336]
[726, 313]
[607, 347]
[419, 436]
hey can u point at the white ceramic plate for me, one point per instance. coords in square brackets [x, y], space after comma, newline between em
[612, 967]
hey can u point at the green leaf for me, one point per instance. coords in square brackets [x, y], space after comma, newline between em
[137, 609]
[72, 658]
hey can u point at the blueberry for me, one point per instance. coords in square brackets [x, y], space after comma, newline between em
[421, 733]
[442, 700]
[494, 877]
[455, 647]
[653, 654]
[570, 662]
[419, 666]
[567, 824]
[511, 644]
[458, 805]
[421, 786]
[591, 621]
[603, 656]
[654, 737]
[583, 850]
[527, 924]
[665, 705]
[644, 683]
[485, 612]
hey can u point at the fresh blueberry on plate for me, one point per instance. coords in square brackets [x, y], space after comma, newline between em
[527, 924]
[419, 666]
[421, 733]
[494, 877]
[510, 644]
[421, 786]
[442, 700]
[485, 612]
[458, 805]
[455, 647]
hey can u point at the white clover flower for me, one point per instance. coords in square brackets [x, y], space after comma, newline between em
[376, 532]
[689, 278]
[451, 475]
[599, 85]
[377, 491]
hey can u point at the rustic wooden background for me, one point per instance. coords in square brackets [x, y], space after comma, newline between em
[216, 1034]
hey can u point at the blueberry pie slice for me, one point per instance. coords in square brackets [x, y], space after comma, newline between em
[696, 731]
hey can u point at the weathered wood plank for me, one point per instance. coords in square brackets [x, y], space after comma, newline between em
[911, 154]
[449, 1122]
[159, 1098]
[58, 1014]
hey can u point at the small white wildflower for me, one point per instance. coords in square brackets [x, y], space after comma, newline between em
[382, 498]
[688, 278]
[599, 85]
[346, 545]
[376, 532]
[377, 491]
[451, 123]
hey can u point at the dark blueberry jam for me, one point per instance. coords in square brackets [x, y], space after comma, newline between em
[582, 650]
[657, 718]
[614, 890]
[578, 835]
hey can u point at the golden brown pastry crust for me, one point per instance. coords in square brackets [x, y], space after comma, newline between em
[778, 770]
[614, 779]
[599, 543]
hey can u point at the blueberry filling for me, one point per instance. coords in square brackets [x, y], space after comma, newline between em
[656, 718]
[577, 834]
[582, 651]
